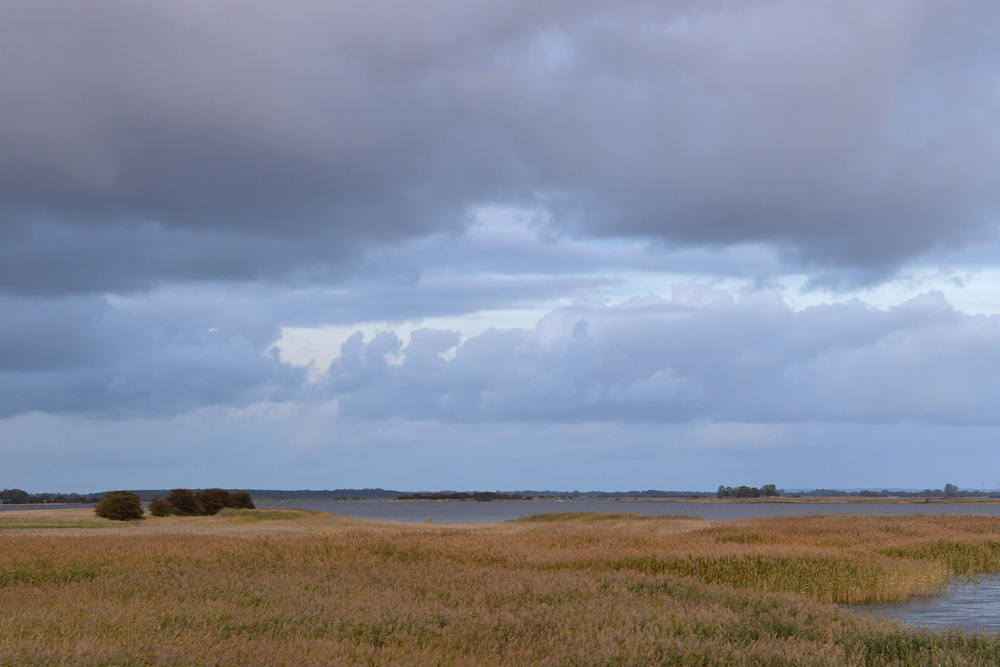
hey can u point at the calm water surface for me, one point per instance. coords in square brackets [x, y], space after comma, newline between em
[464, 511]
[967, 604]
[49, 506]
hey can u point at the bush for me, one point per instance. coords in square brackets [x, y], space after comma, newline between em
[242, 501]
[119, 506]
[14, 496]
[184, 502]
[160, 507]
[213, 500]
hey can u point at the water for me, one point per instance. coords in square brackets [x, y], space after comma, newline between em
[465, 511]
[971, 603]
[47, 506]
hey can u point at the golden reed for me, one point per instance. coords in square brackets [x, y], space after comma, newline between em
[272, 587]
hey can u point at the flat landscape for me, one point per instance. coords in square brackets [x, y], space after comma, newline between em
[268, 587]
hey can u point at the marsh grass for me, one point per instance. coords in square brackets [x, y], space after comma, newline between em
[299, 588]
[34, 519]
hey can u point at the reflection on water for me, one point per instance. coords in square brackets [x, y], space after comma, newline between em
[459, 512]
[967, 604]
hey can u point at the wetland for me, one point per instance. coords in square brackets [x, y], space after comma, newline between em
[272, 586]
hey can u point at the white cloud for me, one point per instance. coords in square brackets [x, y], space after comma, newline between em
[701, 355]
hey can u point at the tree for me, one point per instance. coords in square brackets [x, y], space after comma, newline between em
[184, 502]
[770, 490]
[950, 491]
[160, 507]
[14, 496]
[242, 501]
[119, 506]
[213, 500]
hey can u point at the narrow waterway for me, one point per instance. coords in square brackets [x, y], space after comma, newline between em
[971, 603]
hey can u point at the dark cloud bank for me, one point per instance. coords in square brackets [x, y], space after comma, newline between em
[203, 141]
[179, 181]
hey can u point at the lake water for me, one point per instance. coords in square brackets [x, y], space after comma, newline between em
[967, 604]
[465, 511]
[49, 506]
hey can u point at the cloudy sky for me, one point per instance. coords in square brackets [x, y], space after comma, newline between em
[499, 245]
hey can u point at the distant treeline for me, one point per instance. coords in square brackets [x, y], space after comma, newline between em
[279, 494]
[479, 496]
[377, 494]
[767, 491]
[546, 495]
[949, 491]
[651, 493]
[20, 497]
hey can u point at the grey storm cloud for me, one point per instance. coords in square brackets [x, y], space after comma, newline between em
[700, 356]
[147, 143]
[84, 356]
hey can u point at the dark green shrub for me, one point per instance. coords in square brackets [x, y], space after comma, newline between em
[241, 500]
[213, 500]
[184, 502]
[14, 496]
[120, 506]
[160, 507]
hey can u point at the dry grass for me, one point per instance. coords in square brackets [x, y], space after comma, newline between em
[275, 587]
[75, 518]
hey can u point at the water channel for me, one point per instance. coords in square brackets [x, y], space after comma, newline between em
[969, 603]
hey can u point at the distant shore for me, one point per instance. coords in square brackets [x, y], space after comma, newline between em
[824, 500]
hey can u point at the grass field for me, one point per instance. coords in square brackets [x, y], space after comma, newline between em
[271, 587]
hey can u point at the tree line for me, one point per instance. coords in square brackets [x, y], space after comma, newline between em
[768, 491]
[21, 497]
[127, 506]
[949, 491]
[479, 496]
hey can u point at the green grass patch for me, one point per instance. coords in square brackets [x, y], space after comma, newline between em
[961, 558]
[54, 575]
[750, 538]
[30, 520]
[842, 580]
[40, 525]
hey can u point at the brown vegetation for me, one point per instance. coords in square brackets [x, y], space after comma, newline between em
[284, 586]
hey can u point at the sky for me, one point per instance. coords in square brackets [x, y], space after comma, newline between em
[499, 245]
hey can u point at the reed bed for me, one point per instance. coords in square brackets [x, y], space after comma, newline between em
[296, 588]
